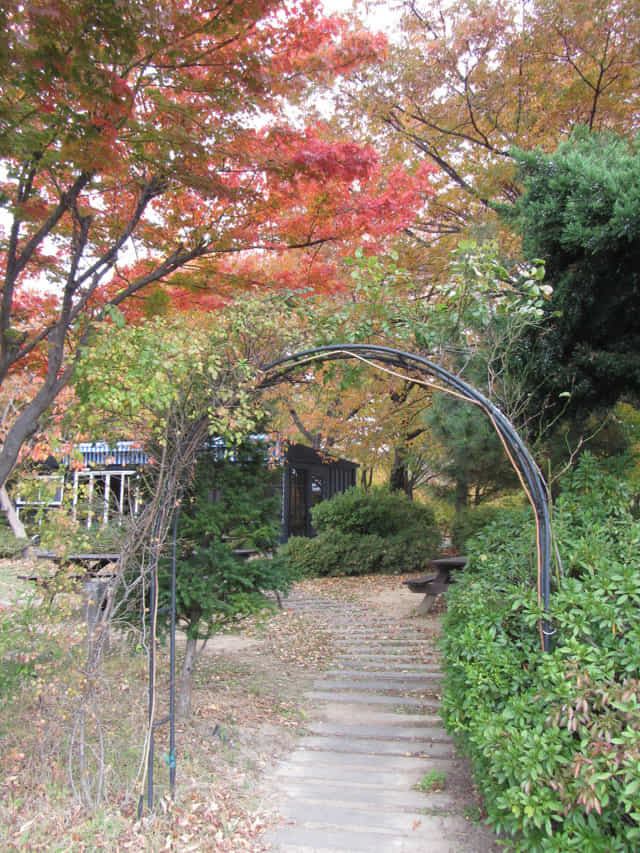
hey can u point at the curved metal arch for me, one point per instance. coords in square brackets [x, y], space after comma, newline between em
[525, 466]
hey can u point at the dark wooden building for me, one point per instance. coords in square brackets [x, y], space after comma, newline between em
[107, 487]
[307, 479]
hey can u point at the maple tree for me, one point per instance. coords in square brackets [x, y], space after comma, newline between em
[144, 145]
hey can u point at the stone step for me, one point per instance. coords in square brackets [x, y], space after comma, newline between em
[409, 651]
[379, 685]
[390, 669]
[362, 698]
[392, 662]
[366, 797]
[368, 766]
[377, 632]
[371, 746]
[381, 732]
[351, 817]
[393, 643]
[322, 839]
[383, 676]
[376, 717]
[339, 777]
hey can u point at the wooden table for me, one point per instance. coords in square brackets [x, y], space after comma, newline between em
[436, 583]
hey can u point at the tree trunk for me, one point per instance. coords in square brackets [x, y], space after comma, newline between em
[366, 477]
[462, 495]
[12, 516]
[399, 479]
[26, 424]
[183, 701]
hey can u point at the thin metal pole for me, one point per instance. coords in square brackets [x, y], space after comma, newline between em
[152, 663]
[172, 657]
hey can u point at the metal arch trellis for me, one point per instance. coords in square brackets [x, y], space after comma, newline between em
[527, 470]
[375, 356]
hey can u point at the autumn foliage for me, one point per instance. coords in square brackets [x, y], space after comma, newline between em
[468, 81]
[144, 144]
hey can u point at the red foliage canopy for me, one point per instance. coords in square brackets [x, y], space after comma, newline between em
[145, 143]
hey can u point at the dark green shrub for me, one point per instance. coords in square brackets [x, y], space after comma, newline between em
[376, 511]
[363, 533]
[470, 521]
[410, 550]
[229, 506]
[333, 553]
[553, 738]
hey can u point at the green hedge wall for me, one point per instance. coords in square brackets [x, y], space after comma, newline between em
[554, 739]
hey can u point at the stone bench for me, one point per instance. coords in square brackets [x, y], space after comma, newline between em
[436, 583]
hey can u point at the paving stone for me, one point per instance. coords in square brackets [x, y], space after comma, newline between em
[355, 698]
[324, 840]
[339, 712]
[381, 820]
[379, 683]
[367, 797]
[388, 670]
[368, 766]
[382, 674]
[406, 652]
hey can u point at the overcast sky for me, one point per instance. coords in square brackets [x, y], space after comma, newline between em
[378, 14]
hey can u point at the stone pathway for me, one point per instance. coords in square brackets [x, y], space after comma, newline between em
[373, 735]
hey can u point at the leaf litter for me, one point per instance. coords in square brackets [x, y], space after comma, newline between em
[248, 710]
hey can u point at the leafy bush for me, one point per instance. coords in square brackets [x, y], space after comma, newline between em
[377, 511]
[36, 646]
[9, 545]
[470, 521]
[364, 533]
[553, 737]
[334, 553]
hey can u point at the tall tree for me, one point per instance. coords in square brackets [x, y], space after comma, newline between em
[581, 212]
[140, 140]
[466, 81]
[471, 325]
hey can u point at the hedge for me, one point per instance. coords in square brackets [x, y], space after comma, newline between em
[554, 738]
[366, 532]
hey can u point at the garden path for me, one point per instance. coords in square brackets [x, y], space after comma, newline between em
[373, 735]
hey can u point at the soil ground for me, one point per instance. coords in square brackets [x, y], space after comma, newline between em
[249, 709]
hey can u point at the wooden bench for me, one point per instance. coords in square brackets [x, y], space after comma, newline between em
[91, 562]
[91, 566]
[92, 581]
[434, 584]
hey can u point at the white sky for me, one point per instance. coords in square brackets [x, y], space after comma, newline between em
[379, 15]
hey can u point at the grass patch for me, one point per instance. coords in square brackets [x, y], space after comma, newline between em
[11, 588]
[434, 780]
